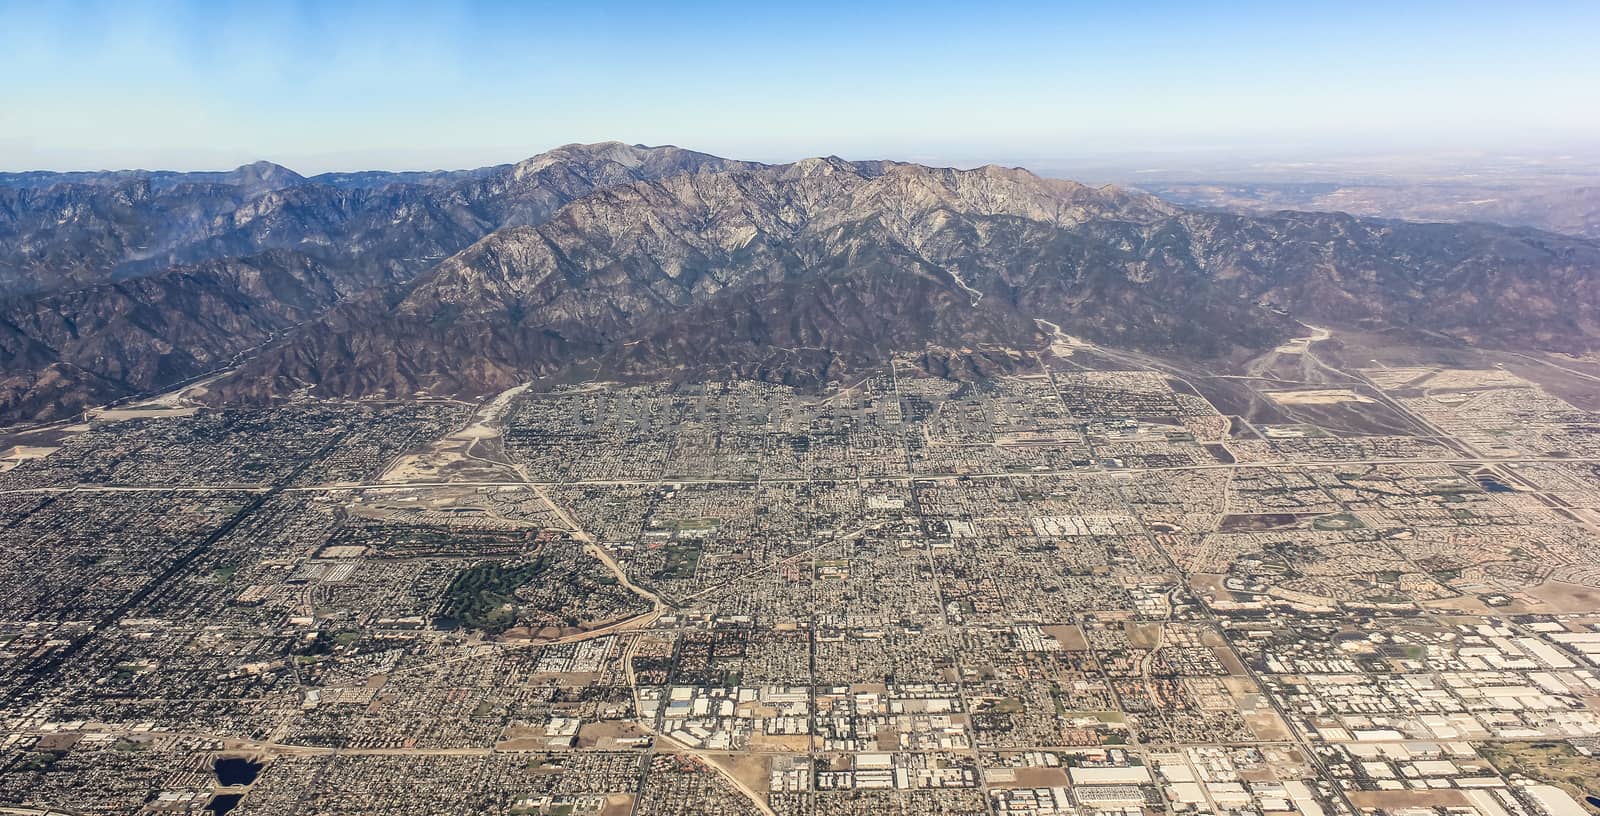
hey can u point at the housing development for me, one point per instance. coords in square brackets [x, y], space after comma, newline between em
[1094, 586]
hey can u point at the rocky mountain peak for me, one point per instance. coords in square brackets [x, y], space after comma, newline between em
[621, 160]
[262, 176]
[819, 166]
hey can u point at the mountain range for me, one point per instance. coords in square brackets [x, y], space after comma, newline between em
[649, 262]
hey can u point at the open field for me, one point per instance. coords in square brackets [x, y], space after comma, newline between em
[1553, 763]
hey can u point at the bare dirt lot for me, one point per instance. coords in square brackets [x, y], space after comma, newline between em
[1565, 597]
[1393, 800]
[750, 769]
[1318, 396]
[1211, 584]
[606, 734]
[798, 743]
[1069, 636]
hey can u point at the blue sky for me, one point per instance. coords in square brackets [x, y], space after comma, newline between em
[321, 86]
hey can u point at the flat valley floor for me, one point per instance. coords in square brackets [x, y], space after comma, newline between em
[1103, 585]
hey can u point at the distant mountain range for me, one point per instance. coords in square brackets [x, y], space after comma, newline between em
[644, 262]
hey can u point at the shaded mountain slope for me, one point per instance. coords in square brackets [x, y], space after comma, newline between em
[122, 283]
[818, 270]
[60, 231]
[618, 261]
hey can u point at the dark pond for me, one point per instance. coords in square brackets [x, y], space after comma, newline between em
[236, 771]
[224, 803]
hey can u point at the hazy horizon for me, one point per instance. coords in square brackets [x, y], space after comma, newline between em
[190, 86]
[1115, 167]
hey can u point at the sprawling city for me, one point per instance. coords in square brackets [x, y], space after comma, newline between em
[1085, 588]
[693, 408]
